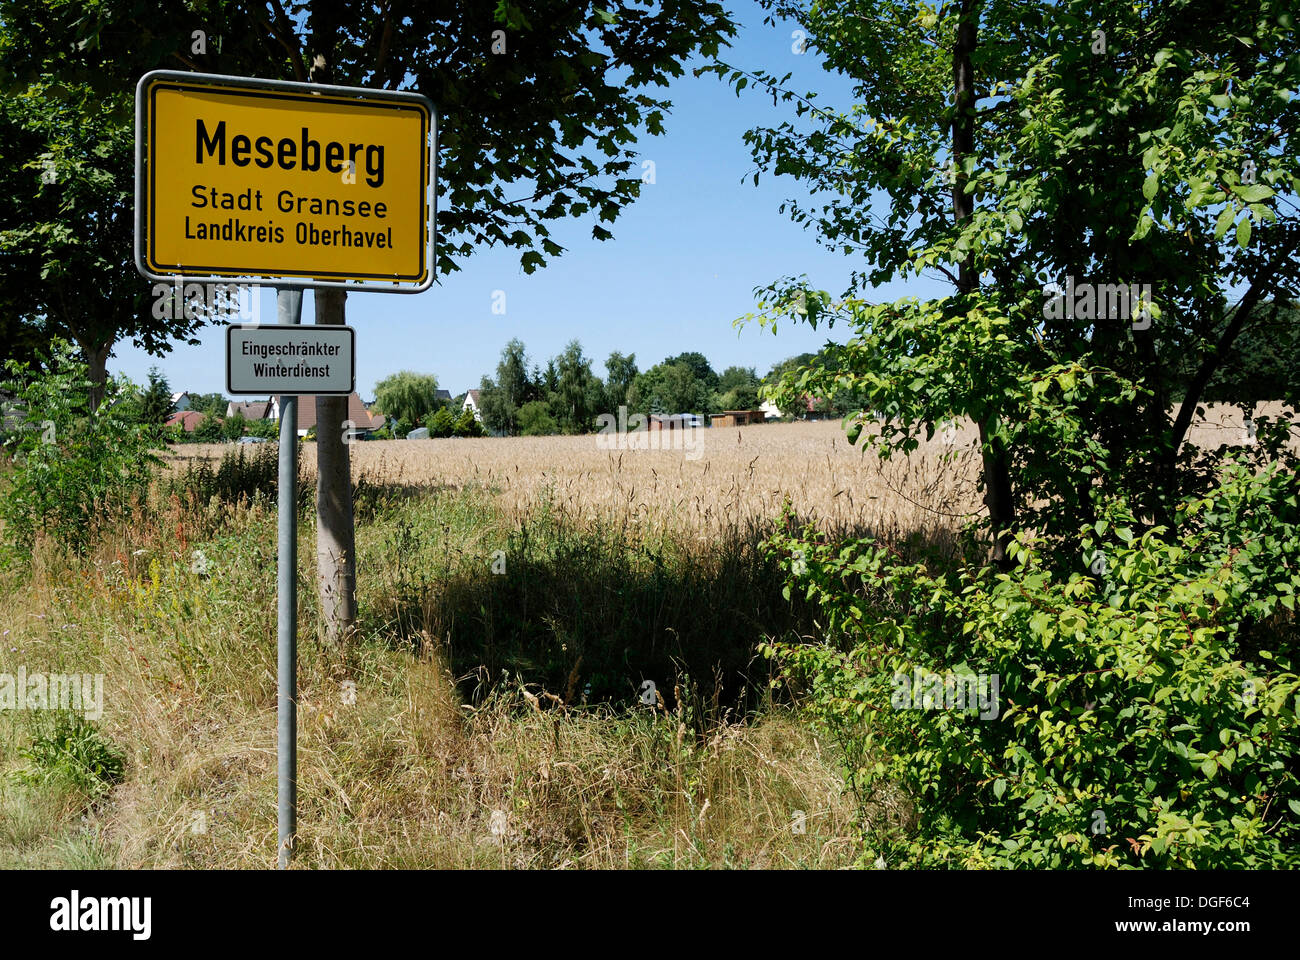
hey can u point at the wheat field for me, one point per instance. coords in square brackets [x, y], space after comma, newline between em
[714, 481]
[721, 479]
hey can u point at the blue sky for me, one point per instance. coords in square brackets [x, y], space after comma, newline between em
[680, 269]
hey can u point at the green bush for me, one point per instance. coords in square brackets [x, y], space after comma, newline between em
[234, 427]
[74, 469]
[441, 423]
[267, 429]
[536, 421]
[208, 430]
[467, 425]
[69, 752]
[1147, 697]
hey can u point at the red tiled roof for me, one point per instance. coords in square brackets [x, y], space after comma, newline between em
[357, 413]
[188, 419]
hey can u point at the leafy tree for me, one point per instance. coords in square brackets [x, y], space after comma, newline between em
[577, 395]
[535, 420]
[233, 427]
[699, 366]
[559, 109]
[788, 365]
[620, 372]
[410, 397]
[500, 399]
[66, 216]
[736, 377]
[740, 398]
[1161, 163]
[738, 388]
[212, 404]
[1135, 580]
[1265, 362]
[156, 401]
[670, 387]
[545, 382]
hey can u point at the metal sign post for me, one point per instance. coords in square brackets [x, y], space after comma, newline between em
[288, 310]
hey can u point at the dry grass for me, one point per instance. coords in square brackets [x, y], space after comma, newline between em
[401, 774]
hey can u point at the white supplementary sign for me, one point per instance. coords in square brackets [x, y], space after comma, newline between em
[290, 360]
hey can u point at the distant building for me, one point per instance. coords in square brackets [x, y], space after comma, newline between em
[187, 420]
[250, 410]
[803, 408]
[363, 422]
[738, 418]
[443, 396]
[471, 404]
[181, 401]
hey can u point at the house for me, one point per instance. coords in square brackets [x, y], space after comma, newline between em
[363, 422]
[250, 410]
[188, 420]
[443, 396]
[471, 404]
[181, 401]
[770, 410]
[738, 418]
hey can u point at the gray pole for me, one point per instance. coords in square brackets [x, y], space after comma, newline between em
[288, 309]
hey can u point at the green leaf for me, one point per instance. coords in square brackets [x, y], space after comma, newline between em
[1151, 185]
[1255, 192]
[1224, 222]
[1000, 787]
[1243, 232]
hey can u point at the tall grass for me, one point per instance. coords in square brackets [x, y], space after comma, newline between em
[483, 720]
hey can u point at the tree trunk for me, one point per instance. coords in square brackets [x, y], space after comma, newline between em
[96, 357]
[997, 473]
[336, 570]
